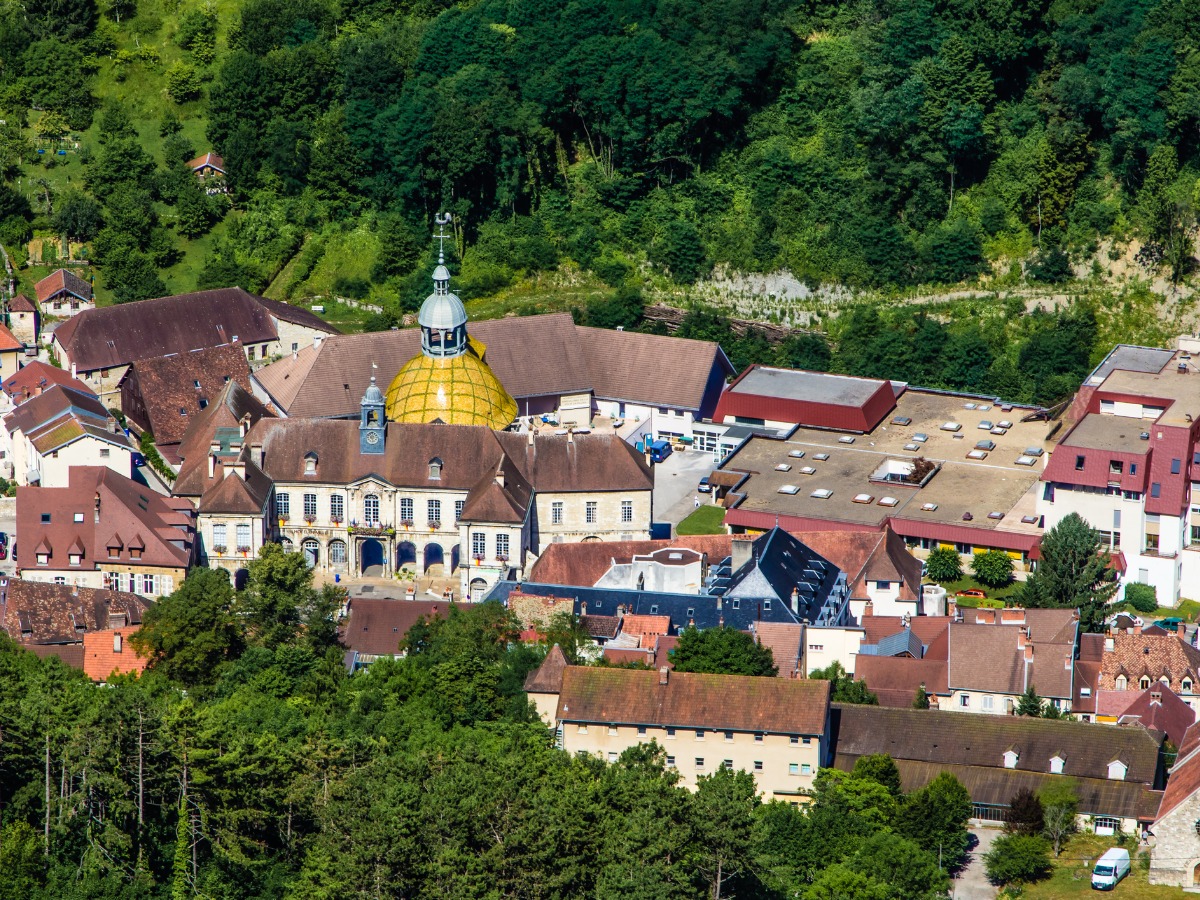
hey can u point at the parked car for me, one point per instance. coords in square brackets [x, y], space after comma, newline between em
[704, 487]
[1110, 868]
[658, 450]
[975, 595]
[4, 538]
[3, 552]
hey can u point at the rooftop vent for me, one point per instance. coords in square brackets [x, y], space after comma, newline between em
[1031, 520]
[983, 407]
[951, 426]
[821, 456]
[888, 501]
[968, 406]
[1145, 435]
[920, 438]
[985, 425]
[821, 494]
[846, 439]
[796, 454]
[902, 420]
[789, 489]
[1004, 423]
[977, 454]
[994, 514]
[807, 470]
[912, 447]
[783, 467]
[1026, 461]
[862, 498]
[928, 507]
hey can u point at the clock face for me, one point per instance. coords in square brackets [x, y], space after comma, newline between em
[372, 437]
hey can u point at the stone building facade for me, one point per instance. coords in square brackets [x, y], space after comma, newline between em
[1175, 859]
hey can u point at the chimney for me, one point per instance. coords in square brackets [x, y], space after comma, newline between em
[796, 601]
[1068, 662]
[96, 514]
[1029, 653]
[1137, 627]
[583, 608]
[742, 547]
[529, 438]
[1110, 643]
[1181, 631]
[500, 474]
[663, 675]
[869, 609]
[316, 341]
[116, 642]
[951, 607]
[570, 434]
[244, 424]
[256, 454]
[1020, 638]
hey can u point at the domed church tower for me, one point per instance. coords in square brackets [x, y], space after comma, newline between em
[449, 380]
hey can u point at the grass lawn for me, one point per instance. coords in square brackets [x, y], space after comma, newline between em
[967, 583]
[1072, 875]
[1188, 610]
[707, 519]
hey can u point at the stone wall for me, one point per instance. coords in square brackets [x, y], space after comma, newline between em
[1176, 852]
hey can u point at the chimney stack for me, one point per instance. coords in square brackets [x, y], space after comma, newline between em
[1110, 643]
[1029, 653]
[1020, 638]
[663, 675]
[1181, 631]
[1137, 627]
[742, 547]
[796, 601]
[1068, 662]
[952, 607]
[583, 608]
[256, 454]
[570, 434]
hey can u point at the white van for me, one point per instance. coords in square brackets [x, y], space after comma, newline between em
[1110, 868]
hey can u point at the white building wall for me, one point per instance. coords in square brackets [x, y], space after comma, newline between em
[824, 646]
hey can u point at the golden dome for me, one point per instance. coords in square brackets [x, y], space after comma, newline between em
[459, 390]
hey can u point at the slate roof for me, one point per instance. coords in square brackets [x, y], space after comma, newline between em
[1138, 655]
[117, 514]
[780, 563]
[34, 612]
[689, 700]
[61, 280]
[167, 386]
[680, 608]
[548, 677]
[37, 377]
[116, 335]
[330, 380]
[902, 642]
[377, 626]
[946, 738]
[104, 655]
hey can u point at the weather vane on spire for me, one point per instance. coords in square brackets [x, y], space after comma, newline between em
[442, 220]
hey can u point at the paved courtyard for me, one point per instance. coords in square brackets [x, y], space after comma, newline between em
[675, 481]
[972, 883]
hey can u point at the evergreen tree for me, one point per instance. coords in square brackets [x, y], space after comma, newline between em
[921, 700]
[722, 651]
[1030, 703]
[1072, 573]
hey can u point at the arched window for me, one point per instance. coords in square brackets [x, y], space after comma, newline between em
[1121, 683]
[1187, 685]
[1144, 682]
[371, 510]
[312, 551]
[337, 553]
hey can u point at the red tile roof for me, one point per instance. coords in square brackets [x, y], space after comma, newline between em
[377, 626]
[1159, 709]
[644, 626]
[209, 159]
[61, 280]
[109, 652]
[1185, 774]
[620, 656]
[21, 303]
[894, 679]
[36, 377]
[990, 657]
[108, 513]
[688, 700]
[8, 341]
[785, 640]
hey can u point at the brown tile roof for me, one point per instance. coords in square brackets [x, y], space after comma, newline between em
[499, 496]
[987, 657]
[601, 627]
[651, 368]
[1185, 774]
[583, 564]
[591, 462]
[129, 515]
[643, 626]
[70, 654]
[226, 412]
[116, 335]
[377, 626]
[61, 415]
[21, 303]
[1138, 655]
[689, 700]
[236, 493]
[895, 679]
[996, 787]
[663, 646]
[534, 610]
[1087, 676]
[1159, 709]
[36, 377]
[927, 628]
[620, 656]
[109, 652]
[330, 380]
[956, 738]
[34, 612]
[61, 280]
[548, 677]
[173, 388]
[785, 640]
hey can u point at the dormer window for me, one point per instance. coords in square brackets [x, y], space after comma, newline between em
[74, 558]
[1117, 770]
[435, 469]
[43, 559]
[1144, 682]
[1122, 683]
[1056, 764]
[1187, 685]
[310, 464]
[1010, 759]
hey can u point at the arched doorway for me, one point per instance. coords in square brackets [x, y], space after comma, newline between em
[312, 551]
[1195, 875]
[478, 589]
[590, 539]
[434, 556]
[240, 577]
[287, 545]
[406, 554]
[371, 554]
[337, 554]
[454, 558]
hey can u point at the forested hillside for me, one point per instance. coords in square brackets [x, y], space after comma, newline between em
[871, 144]
[247, 764]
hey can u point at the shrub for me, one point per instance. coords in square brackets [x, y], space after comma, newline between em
[1017, 858]
[993, 568]
[183, 82]
[1142, 598]
[944, 564]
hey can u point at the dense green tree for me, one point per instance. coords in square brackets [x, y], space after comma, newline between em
[921, 698]
[935, 817]
[993, 568]
[1017, 859]
[1060, 808]
[944, 564]
[131, 275]
[1072, 573]
[78, 216]
[842, 686]
[721, 651]
[191, 633]
[881, 768]
[1141, 597]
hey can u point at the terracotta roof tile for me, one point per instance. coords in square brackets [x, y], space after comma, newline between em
[646, 625]
[207, 159]
[34, 612]
[61, 280]
[32, 379]
[785, 640]
[169, 391]
[231, 406]
[688, 700]
[21, 303]
[548, 677]
[895, 679]
[8, 340]
[109, 652]
[1155, 656]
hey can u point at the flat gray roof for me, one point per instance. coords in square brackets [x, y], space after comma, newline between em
[1107, 432]
[1130, 358]
[815, 387]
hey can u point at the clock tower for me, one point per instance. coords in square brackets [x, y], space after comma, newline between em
[372, 426]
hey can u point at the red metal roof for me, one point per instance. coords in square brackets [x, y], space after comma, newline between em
[818, 414]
